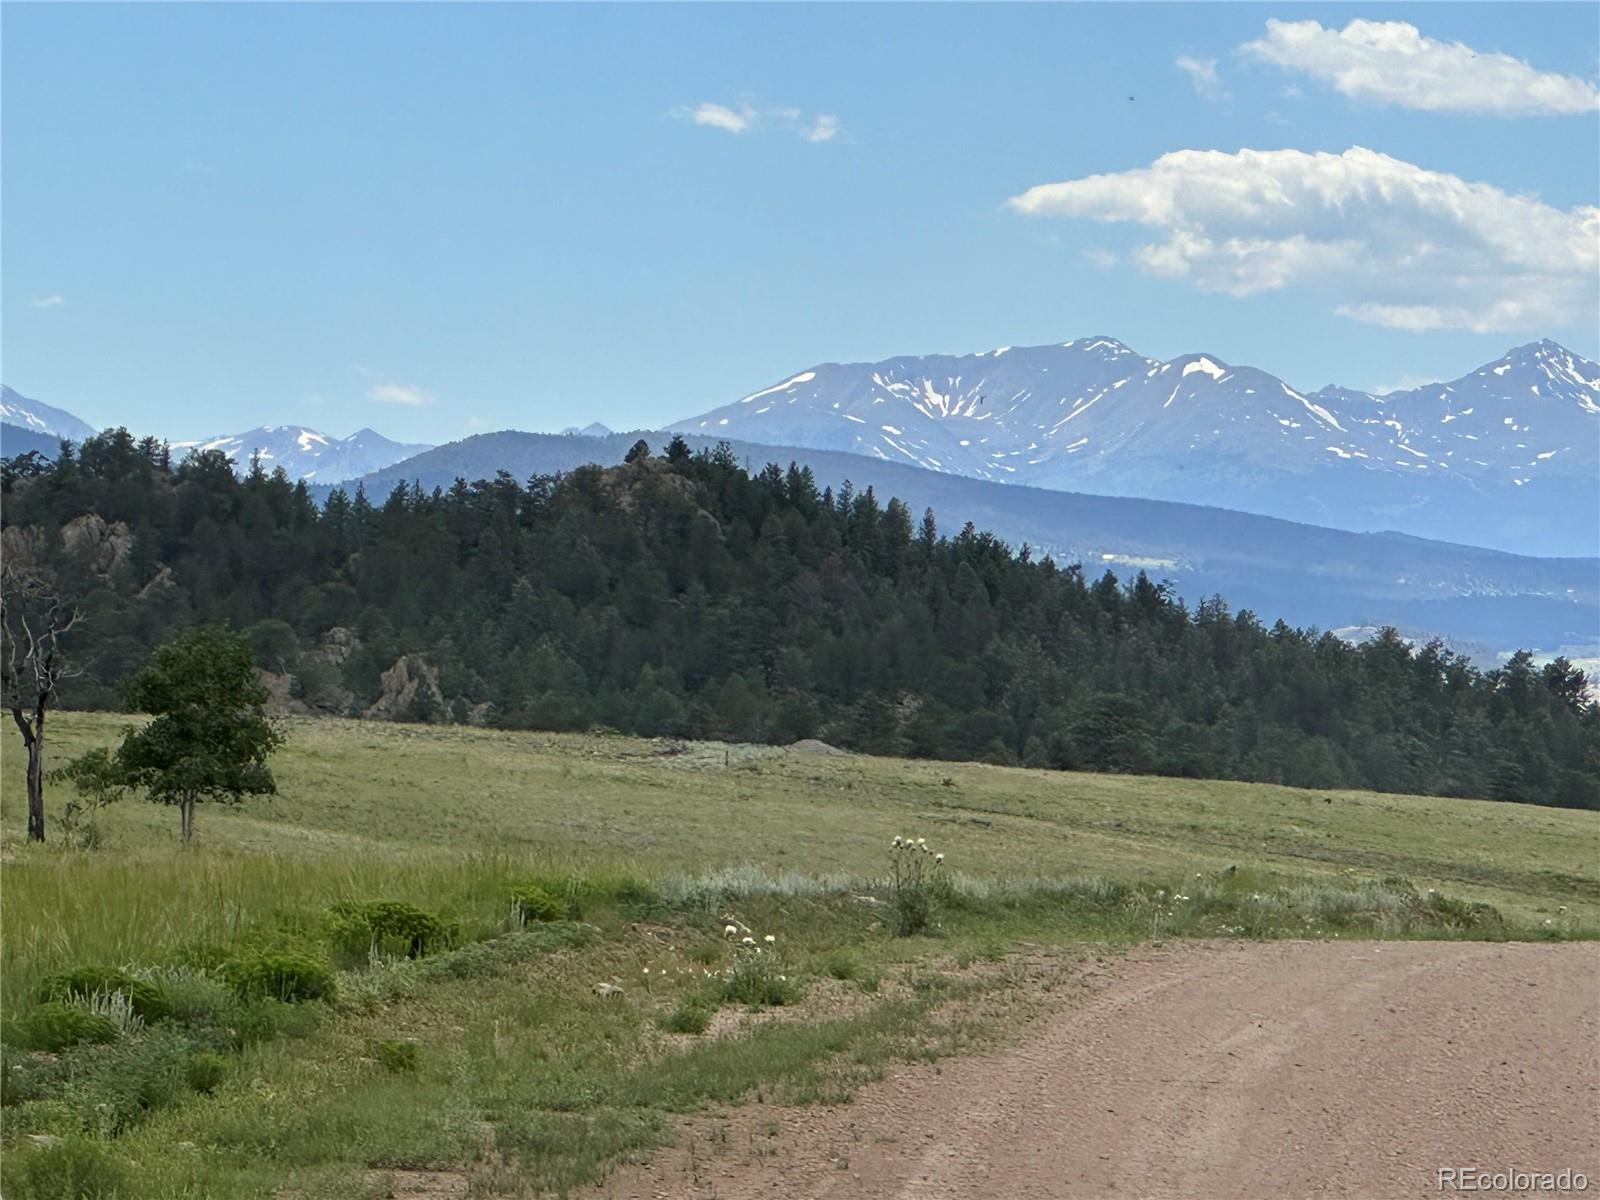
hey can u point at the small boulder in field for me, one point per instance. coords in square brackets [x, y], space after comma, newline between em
[814, 746]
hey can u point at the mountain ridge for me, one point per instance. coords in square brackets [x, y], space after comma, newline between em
[1492, 452]
[1475, 594]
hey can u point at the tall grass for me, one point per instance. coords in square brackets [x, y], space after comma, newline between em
[64, 910]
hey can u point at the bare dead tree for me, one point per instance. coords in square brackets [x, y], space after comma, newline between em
[34, 619]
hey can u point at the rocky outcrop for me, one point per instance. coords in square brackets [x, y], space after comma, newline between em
[104, 546]
[400, 686]
[338, 644]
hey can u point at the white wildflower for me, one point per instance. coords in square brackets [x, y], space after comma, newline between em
[730, 930]
[769, 939]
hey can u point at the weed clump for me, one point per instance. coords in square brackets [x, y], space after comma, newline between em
[757, 976]
[83, 983]
[291, 978]
[207, 1070]
[917, 884]
[394, 1055]
[71, 1169]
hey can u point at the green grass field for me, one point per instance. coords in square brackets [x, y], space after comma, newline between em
[522, 1075]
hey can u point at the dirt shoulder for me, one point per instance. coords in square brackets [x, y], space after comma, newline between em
[1210, 1071]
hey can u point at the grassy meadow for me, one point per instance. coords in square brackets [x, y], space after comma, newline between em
[530, 1048]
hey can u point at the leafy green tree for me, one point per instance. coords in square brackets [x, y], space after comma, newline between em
[210, 738]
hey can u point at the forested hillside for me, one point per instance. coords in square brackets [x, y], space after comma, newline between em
[682, 596]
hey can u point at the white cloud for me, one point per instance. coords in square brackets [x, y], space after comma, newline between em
[1386, 241]
[54, 300]
[1104, 259]
[399, 393]
[813, 127]
[720, 116]
[1202, 74]
[824, 129]
[1392, 62]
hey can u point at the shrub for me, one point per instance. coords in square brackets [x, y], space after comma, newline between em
[1462, 914]
[146, 998]
[207, 1070]
[291, 978]
[758, 976]
[197, 997]
[375, 921]
[535, 903]
[116, 1086]
[26, 1076]
[56, 1118]
[633, 895]
[55, 1025]
[917, 885]
[692, 1015]
[72, 1169]
[266, 1020]
[394, 1055]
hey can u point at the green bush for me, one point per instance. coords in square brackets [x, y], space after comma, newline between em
[394, 1055]
[55, 1118]
[292, 978]
[535, 903]
[55, 1025]
[417, 931]
[207, 1070]
[1462, 914]
[198, 997]
[758, 979]
[71, 1169]
[116, 1086]
[636, 896]
[26, 1076]
[266, 1020]
[147, 999]
[692, 1015]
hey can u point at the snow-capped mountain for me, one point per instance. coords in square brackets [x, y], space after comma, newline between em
[1508, 455]
[39, 418]
[307, 454]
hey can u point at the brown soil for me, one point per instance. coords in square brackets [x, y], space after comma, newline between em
[1209, 1071]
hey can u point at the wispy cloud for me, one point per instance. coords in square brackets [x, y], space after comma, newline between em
[1383, 240]
[720, 116]
[399, 393]
[1202, 73]
[1393, 62]
[746, 117]
[824, 128]
[54, 300]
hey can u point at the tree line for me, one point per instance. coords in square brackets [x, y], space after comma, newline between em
[679, 595]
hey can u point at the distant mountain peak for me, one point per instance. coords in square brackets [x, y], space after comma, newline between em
[593, 429]
[36, 417]
[306, 453]
[1093, 415]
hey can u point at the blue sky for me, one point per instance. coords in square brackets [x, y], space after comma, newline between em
[436, 220]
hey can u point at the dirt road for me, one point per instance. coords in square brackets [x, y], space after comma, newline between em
[1220, 1071]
